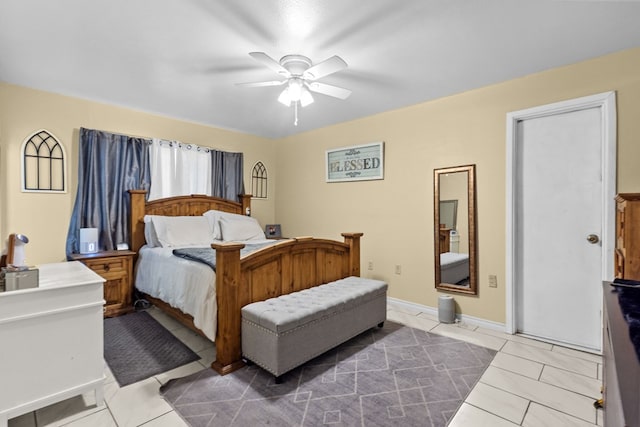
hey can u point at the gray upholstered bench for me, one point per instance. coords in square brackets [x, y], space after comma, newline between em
[282, 333]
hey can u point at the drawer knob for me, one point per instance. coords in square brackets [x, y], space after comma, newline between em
[106, 267]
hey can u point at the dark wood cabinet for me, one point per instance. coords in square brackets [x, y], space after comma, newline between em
[445, 240]
[627, 254]
[621, 367]
[116, 267]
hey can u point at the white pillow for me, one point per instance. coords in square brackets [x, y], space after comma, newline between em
[182, 230]
[240, 229]
[150, 235]
[214, 220]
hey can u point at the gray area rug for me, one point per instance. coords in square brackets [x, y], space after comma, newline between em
[393, 376]
[137, 347]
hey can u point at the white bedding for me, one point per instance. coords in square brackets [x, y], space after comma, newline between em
[454, 267]
[183, 284]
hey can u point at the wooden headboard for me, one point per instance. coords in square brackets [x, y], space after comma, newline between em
[193, 205]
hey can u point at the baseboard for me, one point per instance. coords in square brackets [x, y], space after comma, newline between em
[471, 320]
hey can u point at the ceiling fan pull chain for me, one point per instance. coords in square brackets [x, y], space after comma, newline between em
[295, 109]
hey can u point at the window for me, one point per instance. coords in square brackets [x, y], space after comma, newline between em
[43, 166]
[259, 181]
[178, 169]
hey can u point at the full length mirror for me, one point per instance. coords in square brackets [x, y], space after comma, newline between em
[455, 229]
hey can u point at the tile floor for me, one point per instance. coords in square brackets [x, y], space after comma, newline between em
[529, 383]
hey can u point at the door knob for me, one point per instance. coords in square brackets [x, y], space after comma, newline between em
[593, 238]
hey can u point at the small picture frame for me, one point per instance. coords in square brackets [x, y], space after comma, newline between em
[273, 231]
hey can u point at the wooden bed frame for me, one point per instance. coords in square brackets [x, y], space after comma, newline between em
[287, 266]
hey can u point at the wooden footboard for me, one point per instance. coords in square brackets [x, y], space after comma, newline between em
[285, 267]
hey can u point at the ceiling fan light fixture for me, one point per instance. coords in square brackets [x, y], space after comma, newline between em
[305, 97]
[296, 91]
[285, 98]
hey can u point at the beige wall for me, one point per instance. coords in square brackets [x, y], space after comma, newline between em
[44, 218]
[396, 214]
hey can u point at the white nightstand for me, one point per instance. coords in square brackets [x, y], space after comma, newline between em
[52, 340]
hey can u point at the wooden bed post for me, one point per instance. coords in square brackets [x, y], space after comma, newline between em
[246, 203]
[136, 226]
[228, 339]
[353, 240]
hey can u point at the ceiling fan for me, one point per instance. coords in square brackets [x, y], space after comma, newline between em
[300, 77]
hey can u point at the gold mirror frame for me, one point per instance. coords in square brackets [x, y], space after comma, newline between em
[441, 241]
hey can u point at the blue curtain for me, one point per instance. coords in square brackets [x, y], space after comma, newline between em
[108, 166]
[227, 175]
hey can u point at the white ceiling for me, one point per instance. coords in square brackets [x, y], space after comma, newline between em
[182, 58]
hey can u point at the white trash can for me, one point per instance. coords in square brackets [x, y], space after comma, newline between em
[446, 309]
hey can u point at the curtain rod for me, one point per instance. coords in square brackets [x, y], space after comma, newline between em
[149, 140]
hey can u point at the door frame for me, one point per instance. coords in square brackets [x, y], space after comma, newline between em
[606, 102]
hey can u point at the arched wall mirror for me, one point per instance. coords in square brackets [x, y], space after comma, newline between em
[455, 229]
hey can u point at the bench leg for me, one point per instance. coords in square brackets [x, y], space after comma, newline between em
[380, 325]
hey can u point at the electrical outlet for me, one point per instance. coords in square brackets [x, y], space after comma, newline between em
[398, 269]
[493, 281]
[370, 265]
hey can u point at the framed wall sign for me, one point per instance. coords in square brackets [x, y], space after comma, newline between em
[355, 163]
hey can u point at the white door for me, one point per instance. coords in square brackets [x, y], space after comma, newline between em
[562, 212]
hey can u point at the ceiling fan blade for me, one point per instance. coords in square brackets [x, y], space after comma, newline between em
[262, 84]
[324, 68]
[270, 63]
[325, 89]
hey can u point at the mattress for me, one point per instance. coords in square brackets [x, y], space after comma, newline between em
[186, 285]
[183, 284]
[454, 267]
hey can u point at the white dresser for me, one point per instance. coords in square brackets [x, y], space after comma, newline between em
[51, 340]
